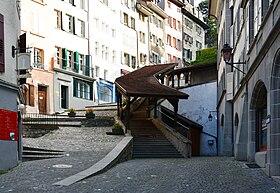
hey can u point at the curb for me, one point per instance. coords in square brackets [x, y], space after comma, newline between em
[112, 158]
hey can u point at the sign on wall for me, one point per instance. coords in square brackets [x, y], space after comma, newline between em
[8, 125]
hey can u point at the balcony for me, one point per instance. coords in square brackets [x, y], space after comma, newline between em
[74, 67]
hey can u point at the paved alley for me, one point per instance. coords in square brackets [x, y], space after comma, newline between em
[198, 174]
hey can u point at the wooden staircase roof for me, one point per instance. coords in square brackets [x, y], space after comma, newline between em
[143, 83]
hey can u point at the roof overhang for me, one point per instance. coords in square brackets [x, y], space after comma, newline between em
[143, 9]
[178, 3]
[213, 8]
[195, 19]
[157, 9]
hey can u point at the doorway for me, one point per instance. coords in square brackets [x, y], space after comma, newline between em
[64, 97]
[42, 99]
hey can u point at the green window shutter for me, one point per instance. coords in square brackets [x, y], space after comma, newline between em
[91, 91]
[64, 58]
[76, 60]
[87, 65]
[73, 21]
[75, 88]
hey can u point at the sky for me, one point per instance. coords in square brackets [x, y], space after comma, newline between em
[196, 2]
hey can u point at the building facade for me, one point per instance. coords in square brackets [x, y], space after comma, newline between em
[10, 135]
[62, 74]
[193, 28]
[248, 92]
[173, 31]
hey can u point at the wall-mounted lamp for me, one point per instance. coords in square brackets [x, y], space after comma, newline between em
[210, 117]
[227, 52]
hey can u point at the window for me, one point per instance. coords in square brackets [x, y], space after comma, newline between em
[198, 44]
[69, 58]
[97, 71]
[114, 56]
[96, 23]
[179, 25]
[103, 51]
[169, 40]
[113, 33]
[71, 2]
[81, 61]
[38, 58]
[142, 37]
[70, 23]
[29, 94]
[169, 58]
[160, 23]
[83, 28]
[143, 58]
[125, 19]
[106, 53]
[169, 21]
[198, 30]
[126, 59]
[133, 61]
[132, 23]
[188, 23]
[106, 74]
[106, 94]
[97, 49]
[179, 45]
[141, 17]
[82, 89]
[126, 2]
[174, 42]
[2, 51]
[58, 55]
[58, 19]
[168, 4]
[82, 4]
[132, 5]
[105, 2]
[174, 23]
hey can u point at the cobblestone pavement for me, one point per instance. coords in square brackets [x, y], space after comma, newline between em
[83, 147]
[198, 174]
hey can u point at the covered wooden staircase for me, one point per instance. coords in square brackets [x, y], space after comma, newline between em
[148, 141]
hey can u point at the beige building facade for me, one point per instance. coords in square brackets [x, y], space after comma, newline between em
[248, 89]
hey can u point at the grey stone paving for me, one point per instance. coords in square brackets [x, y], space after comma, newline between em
[198, 174]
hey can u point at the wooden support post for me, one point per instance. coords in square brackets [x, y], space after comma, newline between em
[118, 103]
[172, 79]
[128, 114]
[178, 77]
[155, 109]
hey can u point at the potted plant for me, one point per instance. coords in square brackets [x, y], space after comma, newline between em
[117, 129]
[72, 112]
[89, 113]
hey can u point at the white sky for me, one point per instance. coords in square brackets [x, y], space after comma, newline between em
[196, 2]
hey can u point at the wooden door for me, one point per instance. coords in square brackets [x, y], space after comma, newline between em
[42, 102]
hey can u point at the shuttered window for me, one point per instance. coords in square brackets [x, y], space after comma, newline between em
[31, 95]
[2, 51]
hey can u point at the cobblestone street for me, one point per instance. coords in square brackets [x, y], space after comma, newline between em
[85, 146]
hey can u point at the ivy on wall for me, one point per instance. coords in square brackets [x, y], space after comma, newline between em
[205, 55]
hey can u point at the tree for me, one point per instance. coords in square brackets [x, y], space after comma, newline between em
[211, 33]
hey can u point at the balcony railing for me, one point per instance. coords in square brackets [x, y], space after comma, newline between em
[75, 67]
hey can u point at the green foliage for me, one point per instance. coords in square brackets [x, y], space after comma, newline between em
[205, 55]
[3, 171]
[211, 33]
[72, 110]
[117, 126]
[89, 111]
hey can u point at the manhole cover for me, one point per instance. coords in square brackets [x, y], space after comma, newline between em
[62, 166]
[252, 165]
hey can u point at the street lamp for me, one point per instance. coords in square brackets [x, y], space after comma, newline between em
[210, 117]
[227, 52]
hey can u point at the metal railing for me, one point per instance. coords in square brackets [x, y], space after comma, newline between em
[42, 119]
[177, 127]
